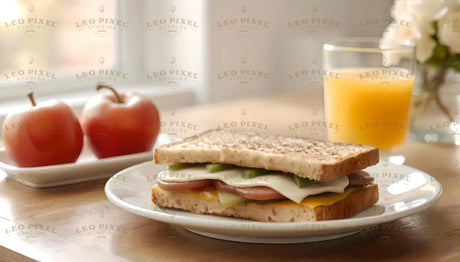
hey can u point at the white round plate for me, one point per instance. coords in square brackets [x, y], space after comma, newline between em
[403, 191]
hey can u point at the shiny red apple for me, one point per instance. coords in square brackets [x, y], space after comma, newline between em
[45, 134]
[120, 123]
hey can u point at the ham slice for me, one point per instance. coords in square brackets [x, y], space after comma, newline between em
[181, 186]
[360, 178]
[255, 192]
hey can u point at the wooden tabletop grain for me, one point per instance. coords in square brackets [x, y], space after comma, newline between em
[78, 223]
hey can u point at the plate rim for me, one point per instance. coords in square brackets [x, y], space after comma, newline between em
[108, 160]
[200, 222]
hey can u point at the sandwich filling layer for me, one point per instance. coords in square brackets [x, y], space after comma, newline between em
[233, 185]
[281, 183]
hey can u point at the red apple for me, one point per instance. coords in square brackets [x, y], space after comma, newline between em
[45, 134]
[120, 123]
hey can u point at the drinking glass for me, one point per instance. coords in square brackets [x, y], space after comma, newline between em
[367, 91]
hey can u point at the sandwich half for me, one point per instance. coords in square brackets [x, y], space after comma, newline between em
[265, 177]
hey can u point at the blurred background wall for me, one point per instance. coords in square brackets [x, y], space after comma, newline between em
[220, 49]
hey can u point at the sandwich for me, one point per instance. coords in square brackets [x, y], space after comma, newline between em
[265, 177]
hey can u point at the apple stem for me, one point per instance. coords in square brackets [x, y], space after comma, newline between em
[31, 98]
[117, 96]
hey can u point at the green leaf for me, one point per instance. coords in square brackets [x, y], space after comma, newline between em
[454, 62]
[439, 56]
[440, 52]
[435, 35]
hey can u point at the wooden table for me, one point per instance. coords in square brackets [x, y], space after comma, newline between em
[78, 223]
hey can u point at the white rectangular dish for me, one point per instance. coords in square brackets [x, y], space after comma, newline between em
[88, 167]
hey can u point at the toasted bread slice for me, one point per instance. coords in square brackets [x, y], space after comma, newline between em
[313, 159]
[345, 205]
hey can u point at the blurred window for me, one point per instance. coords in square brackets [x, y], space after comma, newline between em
[58, 45]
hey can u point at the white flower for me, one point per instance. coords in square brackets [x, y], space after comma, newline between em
[399, 9]
[424, 50]
[449, 28]
[406, 26]
[427, 10]
[413, 20]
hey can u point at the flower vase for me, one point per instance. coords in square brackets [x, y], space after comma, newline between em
[435, 109]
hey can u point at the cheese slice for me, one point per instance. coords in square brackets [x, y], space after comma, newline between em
[280, 182]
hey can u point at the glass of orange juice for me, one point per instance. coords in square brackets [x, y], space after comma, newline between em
[367, 90]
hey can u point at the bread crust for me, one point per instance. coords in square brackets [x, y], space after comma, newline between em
[351, 205]
[349, 165]
[318, 160]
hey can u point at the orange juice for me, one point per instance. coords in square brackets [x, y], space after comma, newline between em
[368, 106]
